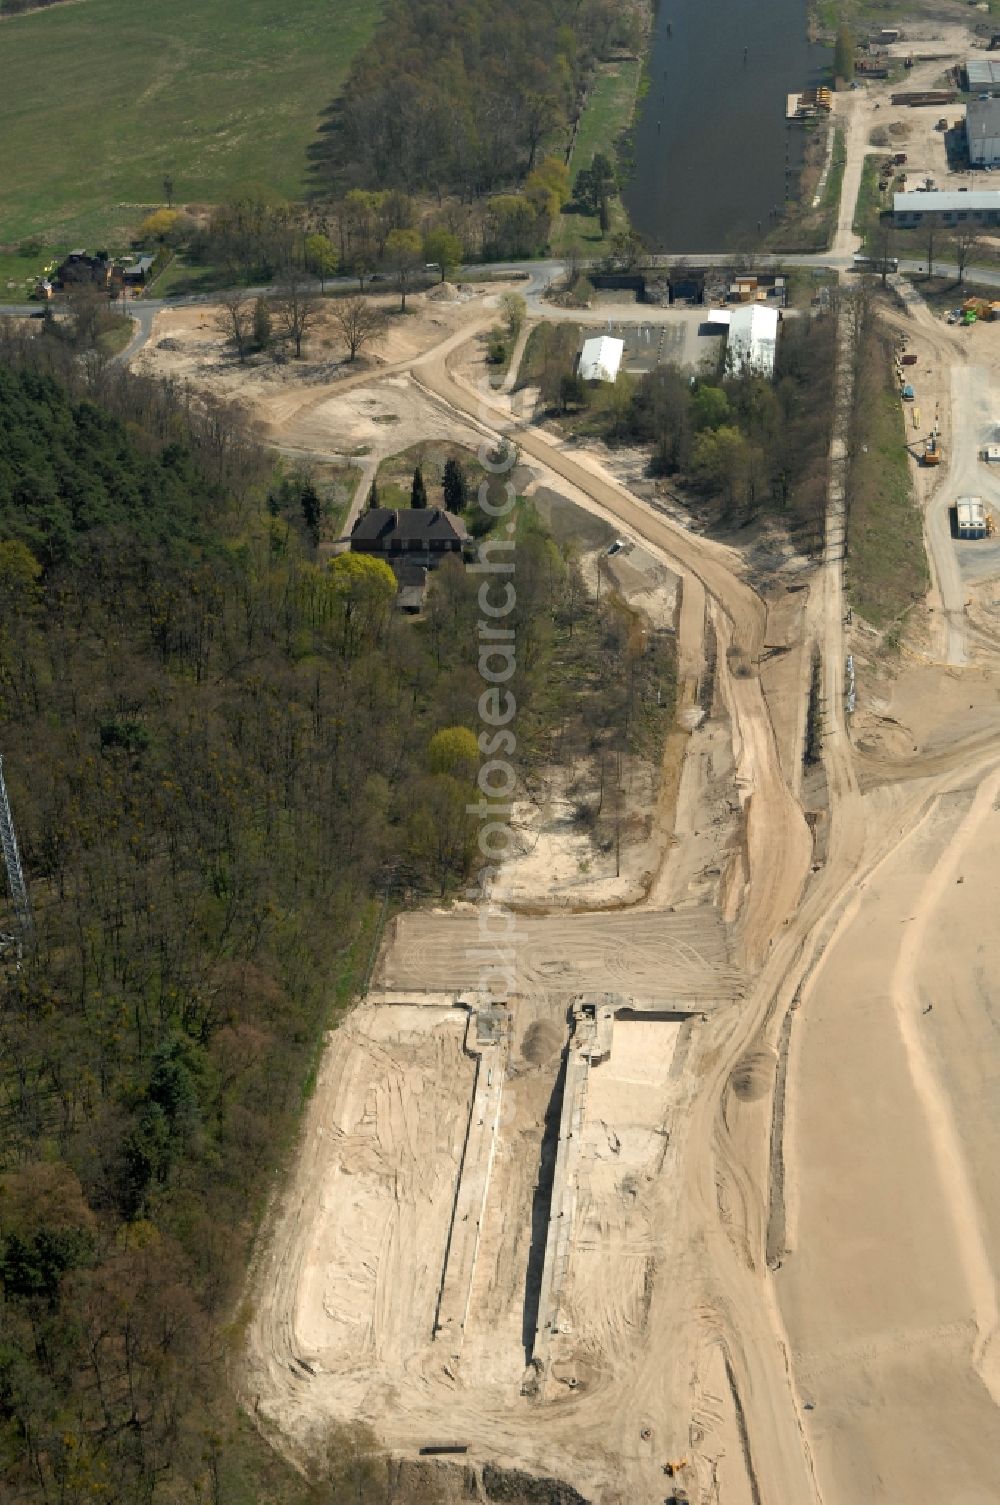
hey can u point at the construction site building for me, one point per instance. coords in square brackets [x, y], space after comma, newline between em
[970, 517]
[982, 130]
[753, 339]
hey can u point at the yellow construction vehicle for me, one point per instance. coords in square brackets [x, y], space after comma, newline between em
[932, 451]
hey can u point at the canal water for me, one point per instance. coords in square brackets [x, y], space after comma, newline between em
[713, 151]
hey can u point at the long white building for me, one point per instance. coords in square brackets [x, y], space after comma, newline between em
[950, 207]
[753, 339]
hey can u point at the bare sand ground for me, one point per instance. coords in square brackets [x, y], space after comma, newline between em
[681, 955]
[893, 1208]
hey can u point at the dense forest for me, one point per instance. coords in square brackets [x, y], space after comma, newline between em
[461, 97]
[222, 761]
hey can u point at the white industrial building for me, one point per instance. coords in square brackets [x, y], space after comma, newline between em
[946, 207]
[601, 357]
[753, 339]
[970, 517]
[982, 130]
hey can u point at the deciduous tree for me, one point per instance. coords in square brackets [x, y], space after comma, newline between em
[297, 306]
[514, 310]
[321, 257]
[964, 245]
[233, 321]
[404, 254]
[358, 322]
[454, 750]
[443, 250]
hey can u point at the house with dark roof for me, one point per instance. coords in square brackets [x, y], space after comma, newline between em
[136, 273]
[424, 535]
[78, 269]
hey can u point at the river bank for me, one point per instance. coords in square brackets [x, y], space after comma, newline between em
[604, 121]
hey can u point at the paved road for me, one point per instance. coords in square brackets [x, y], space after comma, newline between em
[540, 275]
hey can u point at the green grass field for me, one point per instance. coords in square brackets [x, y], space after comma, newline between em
[99, 99]
[608, 111]
[886, 569]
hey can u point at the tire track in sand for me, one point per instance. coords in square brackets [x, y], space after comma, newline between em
[933, 1097]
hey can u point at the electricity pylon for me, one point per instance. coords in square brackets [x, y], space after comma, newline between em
[12, 860]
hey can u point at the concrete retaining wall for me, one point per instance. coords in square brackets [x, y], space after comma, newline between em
[471, 1190]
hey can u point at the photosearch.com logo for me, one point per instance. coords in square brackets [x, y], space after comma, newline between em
[494, 950]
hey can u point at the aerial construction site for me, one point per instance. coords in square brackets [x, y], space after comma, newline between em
[702, 1204]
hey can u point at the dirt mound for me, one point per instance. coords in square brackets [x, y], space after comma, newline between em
[445, 292]
[517, 1488]
[753, 1075]
[542, 1042]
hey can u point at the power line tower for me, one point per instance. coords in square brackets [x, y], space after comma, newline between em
[12, 860]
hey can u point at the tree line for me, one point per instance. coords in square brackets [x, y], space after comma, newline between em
[462, 98]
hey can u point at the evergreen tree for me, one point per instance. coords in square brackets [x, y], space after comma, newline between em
[456, 492]
[418, 493]
[373, 496]
[261, 324]
[312, 510]
[843, 55]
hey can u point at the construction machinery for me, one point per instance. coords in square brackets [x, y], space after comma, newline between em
[932, 451]
[977, 308]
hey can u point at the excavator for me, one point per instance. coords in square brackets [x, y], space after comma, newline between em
[672, 1469]
[932, 451]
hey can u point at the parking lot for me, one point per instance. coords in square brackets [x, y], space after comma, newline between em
[679, 337]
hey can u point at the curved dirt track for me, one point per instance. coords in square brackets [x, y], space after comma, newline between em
[778, 843]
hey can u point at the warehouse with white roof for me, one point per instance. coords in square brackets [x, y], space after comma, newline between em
[753, 339]
[601, 357]
[978, 207]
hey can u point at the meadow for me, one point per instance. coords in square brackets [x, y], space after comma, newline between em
[102, 99]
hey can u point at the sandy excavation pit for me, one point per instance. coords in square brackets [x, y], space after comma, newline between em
[416, 1257]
